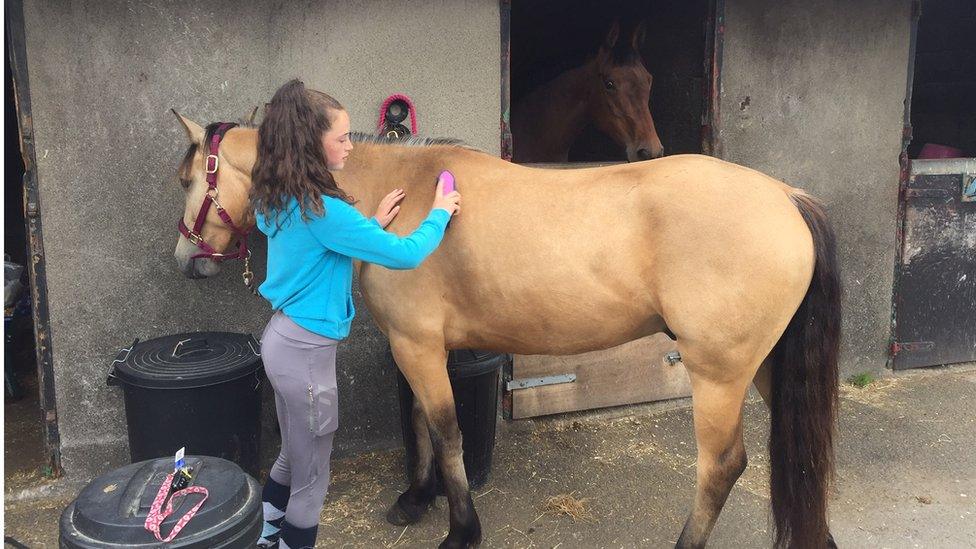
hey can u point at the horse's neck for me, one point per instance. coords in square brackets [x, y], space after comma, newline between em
[371, 172]
[240, 152]
[554, 115]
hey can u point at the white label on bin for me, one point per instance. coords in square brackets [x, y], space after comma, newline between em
[179, 459]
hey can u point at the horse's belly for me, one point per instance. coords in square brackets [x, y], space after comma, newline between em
[551, 324]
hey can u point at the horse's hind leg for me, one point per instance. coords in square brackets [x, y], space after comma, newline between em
[423, 363]
[412, 504]
[717, 409]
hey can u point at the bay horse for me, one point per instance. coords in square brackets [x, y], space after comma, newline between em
[611, 90]
[738, 266]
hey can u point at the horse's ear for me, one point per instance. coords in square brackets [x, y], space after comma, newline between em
[194, 132]
[640, 33]
[612, 35]
[251, 117]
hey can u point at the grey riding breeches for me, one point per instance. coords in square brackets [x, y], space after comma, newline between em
[301, 368]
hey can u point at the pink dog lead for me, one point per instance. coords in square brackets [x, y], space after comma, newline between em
[157, 514]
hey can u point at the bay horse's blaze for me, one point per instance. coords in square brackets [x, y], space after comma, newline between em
[611, 91]
[738, 266]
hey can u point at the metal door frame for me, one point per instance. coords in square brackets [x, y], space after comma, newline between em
[37, 262]
[904, 173]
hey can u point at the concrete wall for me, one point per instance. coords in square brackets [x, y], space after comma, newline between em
[443, 54]
[813, 93]
[103, 76]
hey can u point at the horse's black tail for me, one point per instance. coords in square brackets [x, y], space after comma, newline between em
[804, 397]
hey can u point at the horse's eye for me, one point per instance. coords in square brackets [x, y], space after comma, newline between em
[609, 84]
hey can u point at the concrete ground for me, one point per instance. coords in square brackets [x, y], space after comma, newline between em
[906, 478]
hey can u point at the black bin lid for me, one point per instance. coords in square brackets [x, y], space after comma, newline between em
[111, 510]
[189, 360]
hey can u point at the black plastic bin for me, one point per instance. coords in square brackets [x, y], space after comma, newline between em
[474, 380]
[196, 390]
[110, 512]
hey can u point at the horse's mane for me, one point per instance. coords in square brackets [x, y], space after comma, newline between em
[412, 141]
[359, 137]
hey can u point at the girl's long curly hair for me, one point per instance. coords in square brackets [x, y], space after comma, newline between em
[291, 162]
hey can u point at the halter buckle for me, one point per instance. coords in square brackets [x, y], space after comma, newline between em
[212, 168]
[194, 238]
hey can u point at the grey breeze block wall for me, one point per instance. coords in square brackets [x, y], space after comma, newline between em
[813, 94]
[103, 76]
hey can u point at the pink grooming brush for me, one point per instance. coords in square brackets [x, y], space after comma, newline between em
[448, 179]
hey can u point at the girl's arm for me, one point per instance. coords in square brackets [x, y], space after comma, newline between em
[346, 231]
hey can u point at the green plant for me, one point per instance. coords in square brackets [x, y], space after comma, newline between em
[861, 380]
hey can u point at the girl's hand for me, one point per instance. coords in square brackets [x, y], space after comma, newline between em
[389, 207]
[450, 202]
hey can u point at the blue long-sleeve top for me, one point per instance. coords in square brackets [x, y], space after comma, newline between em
[310, 261]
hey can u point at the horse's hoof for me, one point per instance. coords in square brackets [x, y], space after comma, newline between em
[404, 511]
[465, 538]
[453, 544]
[830, 542]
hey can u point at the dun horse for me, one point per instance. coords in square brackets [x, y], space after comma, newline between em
[739, 267]
[611, 90]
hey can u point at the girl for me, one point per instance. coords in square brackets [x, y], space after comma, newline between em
[314, 233]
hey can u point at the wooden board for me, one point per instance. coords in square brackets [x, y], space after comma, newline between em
[631, 373]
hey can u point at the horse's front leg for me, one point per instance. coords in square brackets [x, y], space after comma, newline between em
[423, 362]
[412, 504]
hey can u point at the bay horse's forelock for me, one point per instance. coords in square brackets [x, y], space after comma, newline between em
[567, 261]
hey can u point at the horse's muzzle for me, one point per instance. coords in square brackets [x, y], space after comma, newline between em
[189, 269]
[197, 268]
[646, 154]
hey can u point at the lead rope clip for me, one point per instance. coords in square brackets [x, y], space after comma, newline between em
[248, 275]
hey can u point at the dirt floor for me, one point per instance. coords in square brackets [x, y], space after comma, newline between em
[23, 448]
[625, 478]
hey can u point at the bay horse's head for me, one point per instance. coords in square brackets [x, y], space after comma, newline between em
[215, 177]
[620, 91]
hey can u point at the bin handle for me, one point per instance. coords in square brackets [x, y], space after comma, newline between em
[197, 346]
[120, 359]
